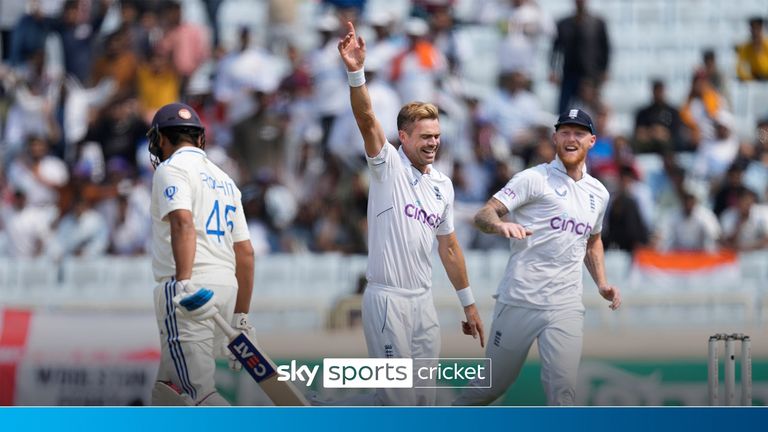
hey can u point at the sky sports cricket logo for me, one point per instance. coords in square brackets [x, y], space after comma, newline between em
[391, 372]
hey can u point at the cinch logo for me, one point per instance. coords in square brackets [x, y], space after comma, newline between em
[421, 215]
[560, 224]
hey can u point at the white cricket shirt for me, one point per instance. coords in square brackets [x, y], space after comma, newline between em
[188, 180]
[544, 270]
[406, 210]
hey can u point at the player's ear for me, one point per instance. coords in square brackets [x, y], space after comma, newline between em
[402, 136]
[592, 141]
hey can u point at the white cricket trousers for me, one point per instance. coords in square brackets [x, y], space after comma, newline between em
[399, 325]
[188, 348]
[559, 335]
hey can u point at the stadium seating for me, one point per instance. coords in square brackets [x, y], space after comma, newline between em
[300, 291]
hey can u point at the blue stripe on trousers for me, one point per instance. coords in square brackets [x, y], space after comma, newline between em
[174, 347]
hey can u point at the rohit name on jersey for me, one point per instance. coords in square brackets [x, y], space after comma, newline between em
[227, 187]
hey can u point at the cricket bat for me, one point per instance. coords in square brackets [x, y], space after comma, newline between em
[258, 365]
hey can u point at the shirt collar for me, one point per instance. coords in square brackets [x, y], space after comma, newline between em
[408, 163]
[189, 149]
[558, 164]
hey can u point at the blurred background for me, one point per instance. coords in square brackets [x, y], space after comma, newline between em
[678, 90]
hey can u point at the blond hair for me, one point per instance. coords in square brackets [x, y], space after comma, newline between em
[412, 112]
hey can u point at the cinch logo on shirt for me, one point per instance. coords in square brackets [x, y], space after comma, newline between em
[414, 212]
[558, 223]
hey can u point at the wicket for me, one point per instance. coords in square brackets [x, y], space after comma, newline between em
[730, 369]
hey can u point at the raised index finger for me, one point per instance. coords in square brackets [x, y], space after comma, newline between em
[351, 29]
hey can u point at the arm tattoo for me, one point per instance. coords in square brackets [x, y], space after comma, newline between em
[490, 215]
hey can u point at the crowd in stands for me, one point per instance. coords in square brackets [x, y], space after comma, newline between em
[77, 93]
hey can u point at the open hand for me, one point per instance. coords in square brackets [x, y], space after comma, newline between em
[352, 49]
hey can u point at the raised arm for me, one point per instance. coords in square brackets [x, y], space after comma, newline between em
[352, 50]
[595, 262]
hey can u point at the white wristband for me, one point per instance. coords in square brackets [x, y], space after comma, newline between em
[465, 296]
[356, 78]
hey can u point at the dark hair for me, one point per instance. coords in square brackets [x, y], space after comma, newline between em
[178, 134]
[756, 20]
[743, 192]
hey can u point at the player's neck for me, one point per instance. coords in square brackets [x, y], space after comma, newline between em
[574, 170]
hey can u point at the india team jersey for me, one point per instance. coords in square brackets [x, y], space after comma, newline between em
[188, 180]
[545, 269]
[406, 210]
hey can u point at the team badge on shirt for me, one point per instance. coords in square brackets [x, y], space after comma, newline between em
[170, 191]
[438, 195]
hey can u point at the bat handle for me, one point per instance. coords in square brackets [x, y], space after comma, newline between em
[228, 330]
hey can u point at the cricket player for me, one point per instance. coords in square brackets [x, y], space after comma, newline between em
[556, 211]
[409, 204]
[199, 239]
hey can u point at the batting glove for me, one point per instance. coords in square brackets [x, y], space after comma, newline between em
[240, 323]
[193, 303]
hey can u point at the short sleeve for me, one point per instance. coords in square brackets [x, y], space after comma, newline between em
[173, 187]
[240, 229]
[519, 190]
[385, 163]
[598, 228]
[446, 225]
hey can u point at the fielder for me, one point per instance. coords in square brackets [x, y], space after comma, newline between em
[409, 204]
[557, 214]
[199, 238]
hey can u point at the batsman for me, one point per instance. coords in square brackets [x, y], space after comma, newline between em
[199, 238]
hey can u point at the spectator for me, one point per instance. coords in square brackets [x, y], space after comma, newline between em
[657, 125]
[35, 101]
[745, 226]
[118, 62]
[27, 228]
[626, 227]
[752, 56]
[11, 12]
[513, 112]
[38, 175]
[581, 50]
[130, 233]
[119, 130]
[29, 34]
[188, 44]
[692, 227]
[526, 23]
[236, 80]
[387, 44]
[715, 155]
[82, 231]
[157, 84]
[709, 66]
[726, 195]
[328, 78]
[416, 70]
[78, 35]
[700, 110]
[140, 22]
[756, 174]
[258, 140]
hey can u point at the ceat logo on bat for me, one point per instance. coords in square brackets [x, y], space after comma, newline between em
[254, 361]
